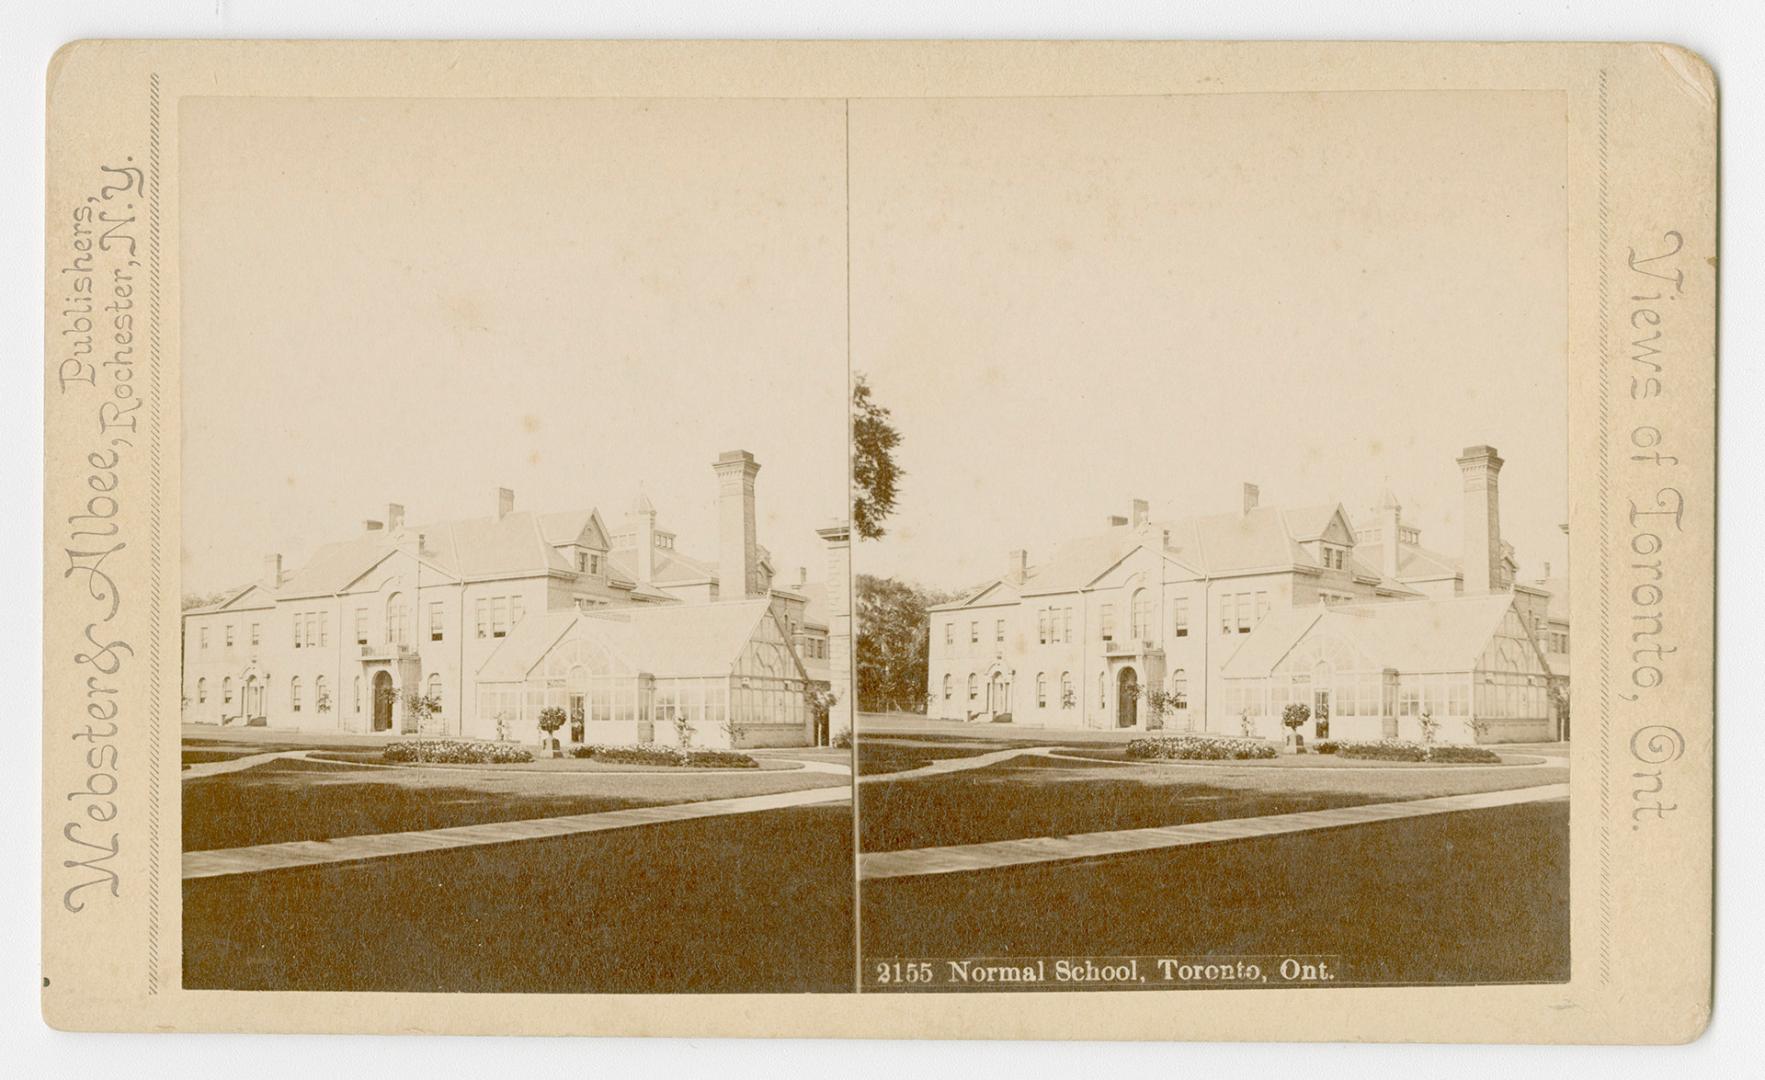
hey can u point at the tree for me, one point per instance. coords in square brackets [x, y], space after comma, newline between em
[874, 472]
[893, 650]
[1294, 716]
[551, 718]
[1163, 703]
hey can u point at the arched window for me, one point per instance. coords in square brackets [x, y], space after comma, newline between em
[1041, 690]
[201, 691]
[949, 689]
[398, 621]
[1180, 688]
[358, 693]
[321, 695]
[294, 693]
[1142, 615]
[227, 690]
[435, 689]
[974, 687]
[1067, 697]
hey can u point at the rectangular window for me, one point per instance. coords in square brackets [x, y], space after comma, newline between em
[324, 628]
[297, 625]
[1042, 625]
[1066, 625]
[582, 562]
[229, 635]
[256, 633]
[481, 614]
[1225, 613]
[1106, 621]
[361, 626]
[435, 630]
[499, 616]
[1243, 607]
[1262, 604]
[517, 608]
[999, 631]
[202, 636]
[1180, 620]
[949, 633]
[974, 633]
[294, 695]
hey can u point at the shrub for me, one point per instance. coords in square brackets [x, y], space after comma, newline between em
[1199, 748]
[1295, 715]
[1325, 746]
[672, 756]
[842, 741]
[455, 752]
[1463, 755]
[1384, 750]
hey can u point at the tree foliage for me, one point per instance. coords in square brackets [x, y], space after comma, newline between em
[874, 472]
[894, 643]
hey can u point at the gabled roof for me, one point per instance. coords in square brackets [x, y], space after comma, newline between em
[573, 526]
[668, 566]
[1414, 563]
[674, 640]
[1410, 635]
[251, 597]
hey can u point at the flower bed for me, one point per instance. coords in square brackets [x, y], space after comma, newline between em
[455, 752]
[1399, 750]
[651, 754]
[1199, 748]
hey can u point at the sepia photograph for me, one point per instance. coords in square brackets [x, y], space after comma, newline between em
[1211, 581]
[515, 557]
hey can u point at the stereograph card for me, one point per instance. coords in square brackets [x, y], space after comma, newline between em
[987, 540]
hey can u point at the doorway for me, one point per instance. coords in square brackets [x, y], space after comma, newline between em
[1320, 710]
[382, 701]
[1127, 698]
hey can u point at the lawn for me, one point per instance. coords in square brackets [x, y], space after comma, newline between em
[1473, 897]
[294, 799]
[759, 902]
[1034, 795]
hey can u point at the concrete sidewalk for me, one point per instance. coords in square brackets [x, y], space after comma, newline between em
[967, 857]
[251, 860]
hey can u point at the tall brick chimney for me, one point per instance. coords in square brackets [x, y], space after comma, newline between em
[1481, 557]
[1390, 526]
[505, 502]
[643, 520]
[394, 517]
[1140, 512]
[273, 570]
[738, 551]
[1019, 567]
[1252, 494]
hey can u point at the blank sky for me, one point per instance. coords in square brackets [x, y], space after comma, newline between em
[1072, 303]
[418, 301]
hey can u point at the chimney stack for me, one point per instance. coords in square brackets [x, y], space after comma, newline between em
[738, 552]
[643, 518]
[505, 502]
[273, 570]
[394, 517]
[1252, 494]
[1019, 567]
[1390, 530]
[1481, 556]
[1140, 512]
[802, 577]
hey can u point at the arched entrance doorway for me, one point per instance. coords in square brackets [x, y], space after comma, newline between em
[1127, 698]
[999, 694]
[382, 701]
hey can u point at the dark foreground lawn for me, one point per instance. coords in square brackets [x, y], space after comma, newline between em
[294, 799]
[1472, 897]
[756, 902]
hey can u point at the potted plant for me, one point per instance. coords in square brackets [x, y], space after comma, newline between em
[1293, 717]
[551, 719]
